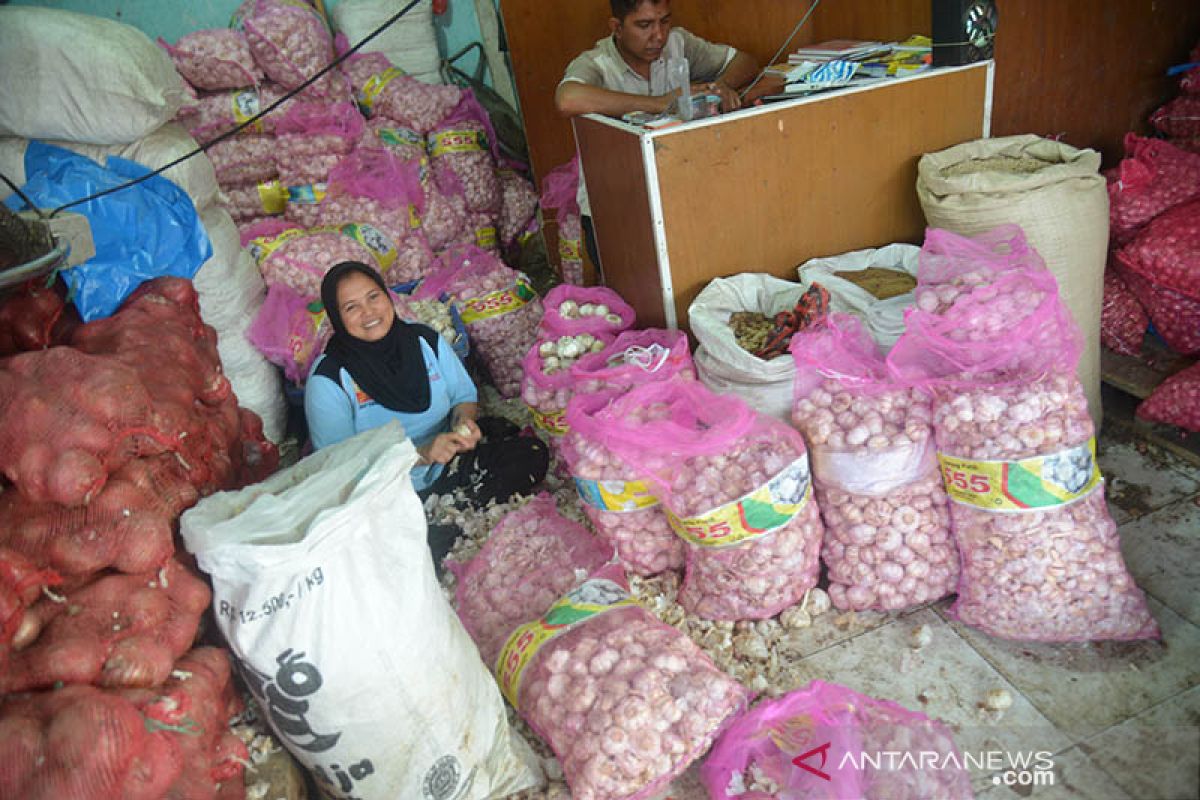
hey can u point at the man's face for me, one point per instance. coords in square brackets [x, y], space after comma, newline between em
[642, 35]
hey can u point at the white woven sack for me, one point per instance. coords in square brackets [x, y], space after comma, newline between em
[161, 146]
[410, 44]
[1062, 207]
[81, 78]
[257, 382]
[325, 592]
[229, 284]
[884, 319]
[721, 363]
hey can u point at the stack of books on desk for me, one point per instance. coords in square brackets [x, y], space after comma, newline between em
[840, 50]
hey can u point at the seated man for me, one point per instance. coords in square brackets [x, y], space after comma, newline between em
[626, 71]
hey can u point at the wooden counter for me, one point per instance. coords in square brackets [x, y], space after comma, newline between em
[767, 188]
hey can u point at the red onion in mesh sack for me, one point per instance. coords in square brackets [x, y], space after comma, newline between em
[289, 40]
[385, 91]
[617, 502]
[214, 59]
[735, 485]
[518, 205]
[594, 309]
[463, 164]
[1167, 251]
[1039, 569]
[888, 543]
[1191, 145]
[625, 701]
[300, 258]
[243, 160]
[570, 249]
[1123, 321]
[1154, 176]
[1179, 118]
[246, 203]
[1176, 317]
[530, 559]
[548, 384]
[636, 357]
[499, 307]
[1175, 401]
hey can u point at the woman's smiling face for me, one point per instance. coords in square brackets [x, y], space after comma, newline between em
[366, 309]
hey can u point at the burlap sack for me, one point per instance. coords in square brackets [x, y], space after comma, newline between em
[1052, 190]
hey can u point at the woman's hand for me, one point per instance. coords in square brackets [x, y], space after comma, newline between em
[462, 422]
[444, 447]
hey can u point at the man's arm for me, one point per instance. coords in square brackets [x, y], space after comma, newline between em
[574, 98]
[740, 71]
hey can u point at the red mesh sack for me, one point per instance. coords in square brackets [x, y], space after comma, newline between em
[1154, 177]
[888, 544]
[384, 91]
[1123, 321]
[117, 631]
[1190, 82]
[625, 701]
[1180, 118]
[614, 496]
[214, 59]
[1175, 401]
[1191, 145]
[1166, 256]
[21, 583]
[735, 485]
[83, 743]
[28, 317]
[528, 561]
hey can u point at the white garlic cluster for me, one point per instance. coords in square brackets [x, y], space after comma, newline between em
[436, 315]
[626, 703]
[560, 354]
[1049, 575]
[569, 309]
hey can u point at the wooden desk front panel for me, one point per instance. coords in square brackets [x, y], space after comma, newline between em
[767, 192]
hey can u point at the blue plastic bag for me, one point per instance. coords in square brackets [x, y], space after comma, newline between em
[142, 232]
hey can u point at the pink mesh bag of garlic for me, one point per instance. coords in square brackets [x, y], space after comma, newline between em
[385, 92]
[548, 385]
[1155, 176]
[499, 307]
[1166, 255]
[405, 143]
[299, 258]
[572, 310]
[214, 59]
[483, 225]
[445, 221]
[242, 160]
[570, 249]
[635, 358]
[735, 485]
[290, 42]
[616, 500]
[887, 543]
[560, 188]
[254, 201]
[464, 162]
[1040, 555]
[530, 559]
[214, 114]
[518, 207]
[311, 138]
[626, 702]
[843, 738]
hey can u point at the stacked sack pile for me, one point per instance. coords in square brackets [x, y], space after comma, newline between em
[366, 164]
[1154, 261]
[126, 113]
[105, 442]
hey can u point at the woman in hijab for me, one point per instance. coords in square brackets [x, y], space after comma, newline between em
[377, 368]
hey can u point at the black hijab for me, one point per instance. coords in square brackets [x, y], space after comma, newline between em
[391, 370]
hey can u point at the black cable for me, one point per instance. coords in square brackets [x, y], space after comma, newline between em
[237, 129]
[22, 195]
[779, 52]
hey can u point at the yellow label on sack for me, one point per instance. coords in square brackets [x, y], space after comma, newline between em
[414, 217]
[570, 250]
[303, 342]
[445, 142]
[375, 240]
[496, 303]
[590, 599]
[1030, 484]
[246, 104]
[368, 95]
[273, 196]
[756, 514]
[401, 137]
[486, 238]
[310, 194]
[618, 496]
[262, 247]
[552, 422]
